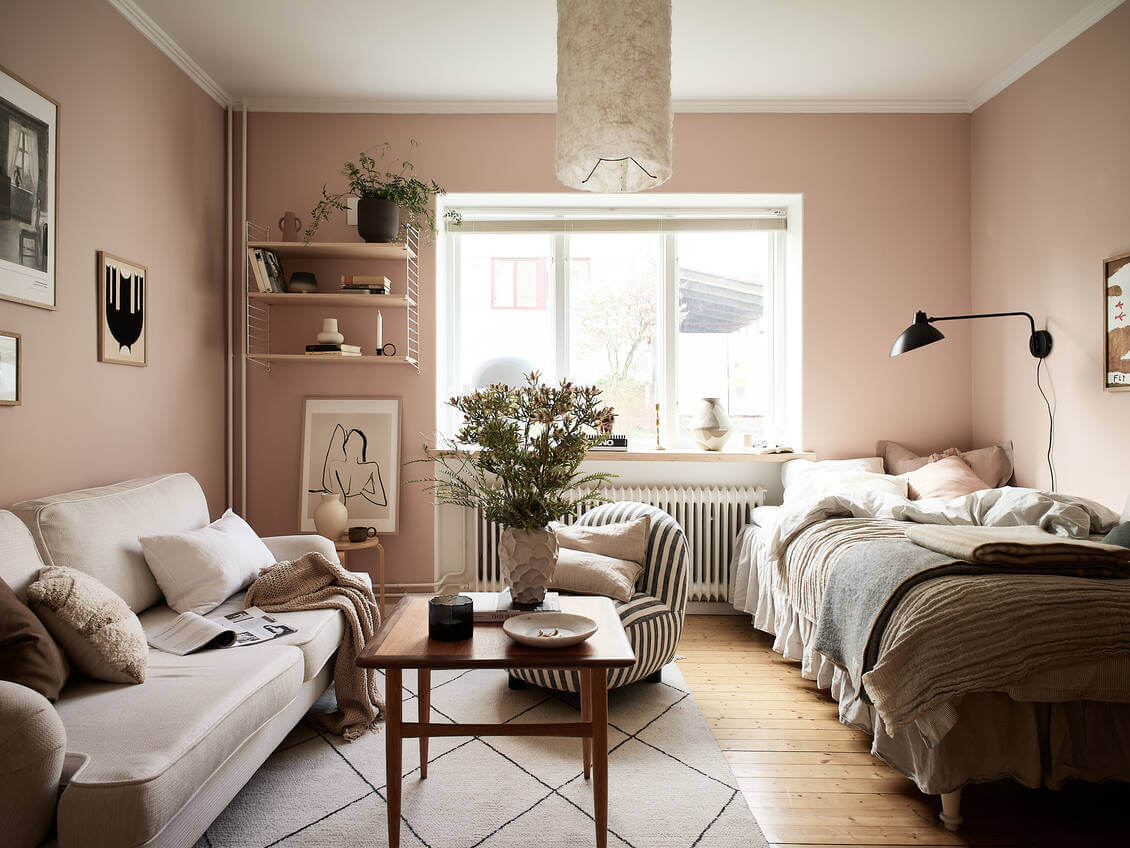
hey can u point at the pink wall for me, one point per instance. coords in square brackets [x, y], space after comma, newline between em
[140, 174]
[1051, 200]
[886, 228]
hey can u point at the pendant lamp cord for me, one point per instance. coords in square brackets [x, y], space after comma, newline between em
[1051, 421]
[621, 159]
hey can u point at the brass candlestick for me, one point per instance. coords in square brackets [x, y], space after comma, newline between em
[658, 444]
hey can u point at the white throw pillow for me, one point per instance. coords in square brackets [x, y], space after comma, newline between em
[843, 482]
[795, 468]
[592, 574]
[199, 570]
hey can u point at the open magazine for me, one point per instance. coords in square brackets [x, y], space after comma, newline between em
[190, 632]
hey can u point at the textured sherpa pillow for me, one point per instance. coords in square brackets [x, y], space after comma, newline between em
[96, 629]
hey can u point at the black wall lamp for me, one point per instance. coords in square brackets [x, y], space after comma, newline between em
[923, 332]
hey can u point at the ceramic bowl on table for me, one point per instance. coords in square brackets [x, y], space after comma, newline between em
[549, 629]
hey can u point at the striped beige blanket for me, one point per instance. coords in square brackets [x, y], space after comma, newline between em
[960, 634]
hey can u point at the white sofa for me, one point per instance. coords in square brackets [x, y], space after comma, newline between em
[150, 764]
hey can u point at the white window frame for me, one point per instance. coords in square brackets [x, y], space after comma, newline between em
[784, 295]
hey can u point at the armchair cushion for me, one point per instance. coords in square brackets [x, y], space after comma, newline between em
[620, 540]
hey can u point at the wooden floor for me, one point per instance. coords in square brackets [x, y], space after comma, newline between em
[812, 781]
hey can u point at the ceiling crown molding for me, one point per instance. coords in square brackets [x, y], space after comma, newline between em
[549, 107]
[1071, 29]
[163, 42]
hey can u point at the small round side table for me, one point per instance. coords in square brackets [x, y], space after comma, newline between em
[344, 546]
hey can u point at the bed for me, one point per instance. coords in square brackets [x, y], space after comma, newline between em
[979, 676]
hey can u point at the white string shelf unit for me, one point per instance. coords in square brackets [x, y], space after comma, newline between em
[257, 305]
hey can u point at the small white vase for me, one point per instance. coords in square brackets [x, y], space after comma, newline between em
[710, 426]
[528, 559]
[331, 517]
[329, 334]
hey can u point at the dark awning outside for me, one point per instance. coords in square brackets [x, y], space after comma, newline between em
[709, 303]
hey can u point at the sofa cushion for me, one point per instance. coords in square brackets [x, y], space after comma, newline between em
[28, 654]
[96, 530]
[19, 559]
[318, 632]
[198, 569]
[100, 635]
[145, 750]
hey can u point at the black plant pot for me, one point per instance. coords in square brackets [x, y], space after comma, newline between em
[377, 220]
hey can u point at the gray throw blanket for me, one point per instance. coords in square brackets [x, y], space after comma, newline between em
[863, 589]
[313, 582]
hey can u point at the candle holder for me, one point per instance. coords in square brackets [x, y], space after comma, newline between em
[451, 618]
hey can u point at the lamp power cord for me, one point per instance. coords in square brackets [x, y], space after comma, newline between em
[1051, 420]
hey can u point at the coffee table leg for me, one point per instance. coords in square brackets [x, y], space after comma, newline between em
[586, 715]
[598, 690]
[424, 696]
[393, 752]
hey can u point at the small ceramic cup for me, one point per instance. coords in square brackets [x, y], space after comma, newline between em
[360, 534]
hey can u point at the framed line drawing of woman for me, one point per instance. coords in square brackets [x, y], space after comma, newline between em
[351, 448]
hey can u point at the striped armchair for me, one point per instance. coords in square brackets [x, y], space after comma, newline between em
[653, 617]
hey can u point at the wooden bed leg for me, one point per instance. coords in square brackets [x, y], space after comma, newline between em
[951, 810]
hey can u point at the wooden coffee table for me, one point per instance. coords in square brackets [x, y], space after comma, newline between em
[402, 642]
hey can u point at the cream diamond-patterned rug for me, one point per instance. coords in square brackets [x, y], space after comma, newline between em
[669, 785]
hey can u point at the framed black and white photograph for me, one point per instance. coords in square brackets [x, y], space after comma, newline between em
[11, 390]
[351, 447]
[123, 310]
[29, 123]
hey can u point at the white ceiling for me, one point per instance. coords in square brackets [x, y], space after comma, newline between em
[499, 55]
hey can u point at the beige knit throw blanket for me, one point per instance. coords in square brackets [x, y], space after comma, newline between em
[313, 582]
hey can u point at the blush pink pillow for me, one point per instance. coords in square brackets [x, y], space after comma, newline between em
[948, 478]
[993, 464]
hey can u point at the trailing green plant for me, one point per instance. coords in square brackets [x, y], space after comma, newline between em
[368, 178]
[518, 454]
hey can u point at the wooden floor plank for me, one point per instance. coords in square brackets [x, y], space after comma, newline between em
[811, 781]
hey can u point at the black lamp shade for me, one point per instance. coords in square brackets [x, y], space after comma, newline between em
[918, 334]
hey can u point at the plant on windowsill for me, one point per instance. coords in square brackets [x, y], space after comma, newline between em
[517, 457]
[381, 195]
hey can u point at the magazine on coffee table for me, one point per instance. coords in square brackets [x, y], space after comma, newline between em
[190, 632]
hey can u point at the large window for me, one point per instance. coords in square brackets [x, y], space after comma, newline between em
[665, 310]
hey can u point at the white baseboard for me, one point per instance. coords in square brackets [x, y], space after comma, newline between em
[711, 608]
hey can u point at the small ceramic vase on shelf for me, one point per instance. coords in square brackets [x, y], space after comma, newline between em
[331, 517]
[329, 334]
[710, 426]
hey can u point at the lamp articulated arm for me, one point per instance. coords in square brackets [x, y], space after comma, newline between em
[1039, 342]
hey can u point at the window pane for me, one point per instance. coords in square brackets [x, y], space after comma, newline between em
[614, 285]
[528, 282]
[724, 332]
[489, 324]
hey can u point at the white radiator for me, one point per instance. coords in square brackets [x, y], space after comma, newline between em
[711, 516]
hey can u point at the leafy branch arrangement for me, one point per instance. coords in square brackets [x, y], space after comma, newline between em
[368, 179]
[517, 455]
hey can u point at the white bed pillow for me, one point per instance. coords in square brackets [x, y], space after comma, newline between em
[842, 481]
[199, 570]
[795, 468]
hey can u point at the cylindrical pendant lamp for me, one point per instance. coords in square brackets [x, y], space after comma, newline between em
[613, 94]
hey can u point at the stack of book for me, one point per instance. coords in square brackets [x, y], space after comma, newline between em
[333, 350]
[365, 284]
[496, 607]
[615, 442]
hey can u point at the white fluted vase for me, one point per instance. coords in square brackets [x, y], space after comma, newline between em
[528, 559]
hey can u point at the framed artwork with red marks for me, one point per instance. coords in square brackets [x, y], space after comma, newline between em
[1116, 300]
